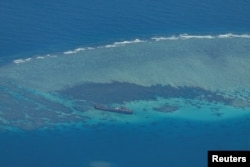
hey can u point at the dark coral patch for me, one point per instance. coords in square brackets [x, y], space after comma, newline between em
[166, 108]
[119, 92]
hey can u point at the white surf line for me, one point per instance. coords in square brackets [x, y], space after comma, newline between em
[18, 61]
[187, 36]
[126, 42]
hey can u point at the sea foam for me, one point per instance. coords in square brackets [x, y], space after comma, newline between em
[183, 36]
[214, 62]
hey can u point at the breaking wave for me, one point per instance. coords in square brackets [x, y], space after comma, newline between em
[211, 62]
[128, 42]
[206, 75]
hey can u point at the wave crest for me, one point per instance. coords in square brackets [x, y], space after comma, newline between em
[183, 36]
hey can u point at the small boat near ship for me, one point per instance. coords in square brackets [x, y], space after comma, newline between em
[121, 110]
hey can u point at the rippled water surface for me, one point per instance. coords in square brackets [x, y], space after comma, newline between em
[181, 67]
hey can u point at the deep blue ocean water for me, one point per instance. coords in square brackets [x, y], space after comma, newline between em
[34, 27]
[29, 28]
[169, 143]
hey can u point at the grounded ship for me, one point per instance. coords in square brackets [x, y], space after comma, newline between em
[121, 110]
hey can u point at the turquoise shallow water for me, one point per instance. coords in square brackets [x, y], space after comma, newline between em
[190, 77]
[189, 92]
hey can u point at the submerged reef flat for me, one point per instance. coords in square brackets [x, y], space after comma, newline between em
[202, 78]
[217, 64]
[118, 92]
[28, 109]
